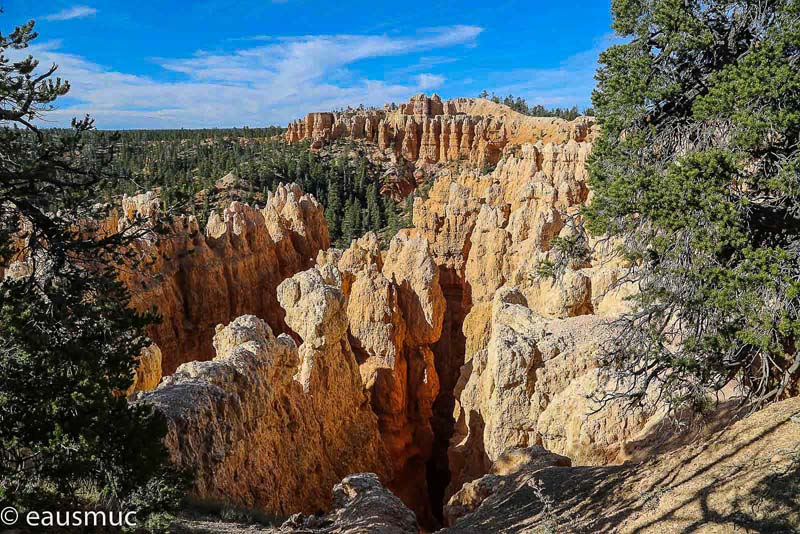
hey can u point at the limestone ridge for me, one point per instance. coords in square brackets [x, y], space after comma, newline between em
[200, 279]
[266, 423]
[429, 130]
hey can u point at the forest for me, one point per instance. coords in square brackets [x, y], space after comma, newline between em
[186, 166]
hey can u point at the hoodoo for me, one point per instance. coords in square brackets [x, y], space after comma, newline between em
[198, 279]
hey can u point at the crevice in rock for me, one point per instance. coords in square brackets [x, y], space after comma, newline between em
[450, 352]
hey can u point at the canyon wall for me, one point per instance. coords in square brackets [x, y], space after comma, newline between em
[462, 347]
[198, 279]
[517, 354]
[518, 357]
[395, 309]
[267, 424]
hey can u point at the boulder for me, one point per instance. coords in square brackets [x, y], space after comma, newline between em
[361, 506]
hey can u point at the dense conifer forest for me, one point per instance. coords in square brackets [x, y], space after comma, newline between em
[200, 170]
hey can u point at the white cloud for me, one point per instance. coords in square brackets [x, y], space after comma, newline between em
[267, 84]
[427, 81]
[74, 12]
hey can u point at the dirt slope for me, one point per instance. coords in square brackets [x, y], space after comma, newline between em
[745, 478]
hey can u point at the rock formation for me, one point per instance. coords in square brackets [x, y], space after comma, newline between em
[428, 130]
[360, 505]
[530, 382]
[148, 372]
[744, 478]
[198, 280]
[463, 349]
[512, 461]
[395, 310]
[269, 424]
[510, 355]
[490, 234]
[456, 363]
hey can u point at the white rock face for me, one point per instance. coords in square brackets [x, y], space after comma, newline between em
[532, 384]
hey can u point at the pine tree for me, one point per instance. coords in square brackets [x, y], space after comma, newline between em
[333, 208]
[698, 172]
[69, 338]
[392, 219]
[351, 223]
[374, 219]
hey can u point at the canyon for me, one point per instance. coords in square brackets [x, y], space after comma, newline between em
[442, 361]
[198, 279]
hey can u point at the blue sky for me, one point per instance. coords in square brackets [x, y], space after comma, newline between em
[206, 63]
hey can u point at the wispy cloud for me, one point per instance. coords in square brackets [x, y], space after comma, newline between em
[74, 12]
[428, 81]
[265, 84]
[570, 83]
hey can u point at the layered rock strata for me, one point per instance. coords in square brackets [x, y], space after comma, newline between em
[429, 130]
[267, 424]
[198, 279]
[463, 348]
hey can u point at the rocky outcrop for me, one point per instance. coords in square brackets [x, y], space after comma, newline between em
[148, 371]
[198, 279]
[429, 130]
[423, 319]
[395, 309]
[489, 233]
[744, 478]
[531, 381]
[498, 228]
[360, 505]
[266, 423]
[514, 460]
[460, 363]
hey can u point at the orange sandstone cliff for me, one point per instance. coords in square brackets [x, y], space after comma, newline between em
[200, 278]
